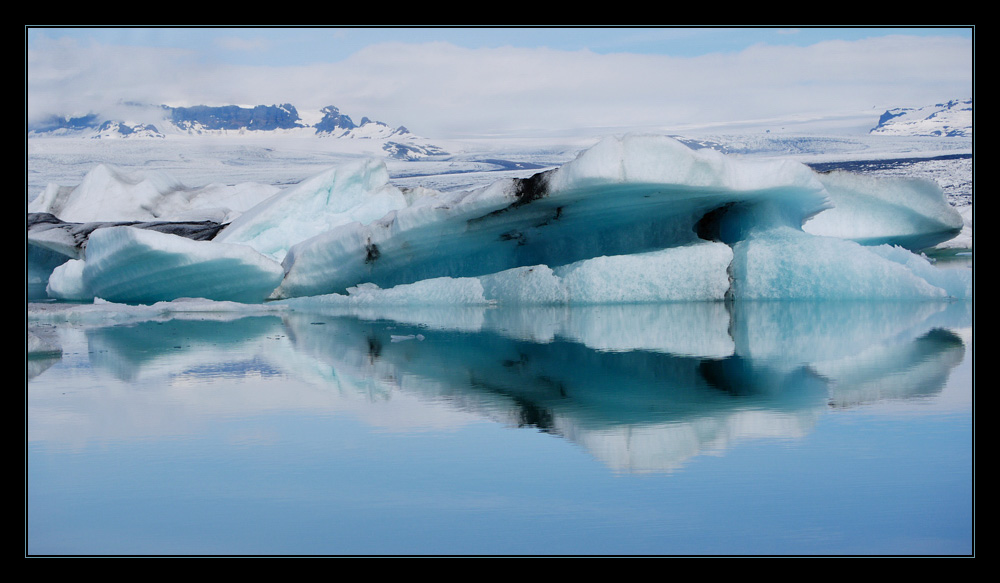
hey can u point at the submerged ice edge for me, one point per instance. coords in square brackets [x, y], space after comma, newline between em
[636, 219]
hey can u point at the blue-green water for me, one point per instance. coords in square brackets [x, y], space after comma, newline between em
[773, 428]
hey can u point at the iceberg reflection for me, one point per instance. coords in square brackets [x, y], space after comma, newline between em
[640, 387]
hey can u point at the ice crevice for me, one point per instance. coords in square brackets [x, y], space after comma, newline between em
[634, 219]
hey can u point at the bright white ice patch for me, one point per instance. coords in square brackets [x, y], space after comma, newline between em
[786, 264]
[358, 191]
[108, 194]
[909, 212]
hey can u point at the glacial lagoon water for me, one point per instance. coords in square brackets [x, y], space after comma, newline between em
[776, 428]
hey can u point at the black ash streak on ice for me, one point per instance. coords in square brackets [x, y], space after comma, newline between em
[371, 252]
[501, 166]
[526, 191]
[80, 232]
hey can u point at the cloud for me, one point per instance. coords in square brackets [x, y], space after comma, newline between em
[66, 77]
[439, 89]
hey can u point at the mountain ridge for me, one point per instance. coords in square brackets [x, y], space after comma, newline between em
[137, 120]
[163, 121]
[951, 119]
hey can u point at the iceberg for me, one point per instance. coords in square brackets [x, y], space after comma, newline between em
[787, 264]
[110, 194]
[634, 219]
[354, 192]
[623, 196]
[876, 210]
[688, 273]
[53, 243]
[136, 266]
[46, 231]
[634, 198]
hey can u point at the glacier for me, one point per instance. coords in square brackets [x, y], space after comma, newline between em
[633, 219]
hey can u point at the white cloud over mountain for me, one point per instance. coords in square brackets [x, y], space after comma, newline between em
[441, 89]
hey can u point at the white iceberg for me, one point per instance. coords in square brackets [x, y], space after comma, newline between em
[688, 273]
[787, 264]
[695, 272]
[873, 210]
[357, 191]
[66, 282]
[110, 194]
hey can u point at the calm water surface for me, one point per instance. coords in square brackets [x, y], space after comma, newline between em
[773, 428]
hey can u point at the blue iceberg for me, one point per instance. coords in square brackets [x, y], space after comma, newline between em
[636, 219]
[138, 266]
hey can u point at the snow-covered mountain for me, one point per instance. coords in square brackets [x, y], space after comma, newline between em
[228, 120]
[951, 119]
[119, 129]
[162, 122]
[337, 125]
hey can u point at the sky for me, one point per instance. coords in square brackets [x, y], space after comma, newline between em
[479, 82]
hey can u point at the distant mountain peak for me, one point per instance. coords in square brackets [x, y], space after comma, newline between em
[230, 119]
[339, 125]
[950, 119]
[200, 118]
[119, 129]
[334, 122]
[212, 119]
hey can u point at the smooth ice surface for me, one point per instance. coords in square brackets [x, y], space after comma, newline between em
[130, 265]
[908, 212]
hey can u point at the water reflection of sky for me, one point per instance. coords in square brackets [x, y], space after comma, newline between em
[744, 395]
